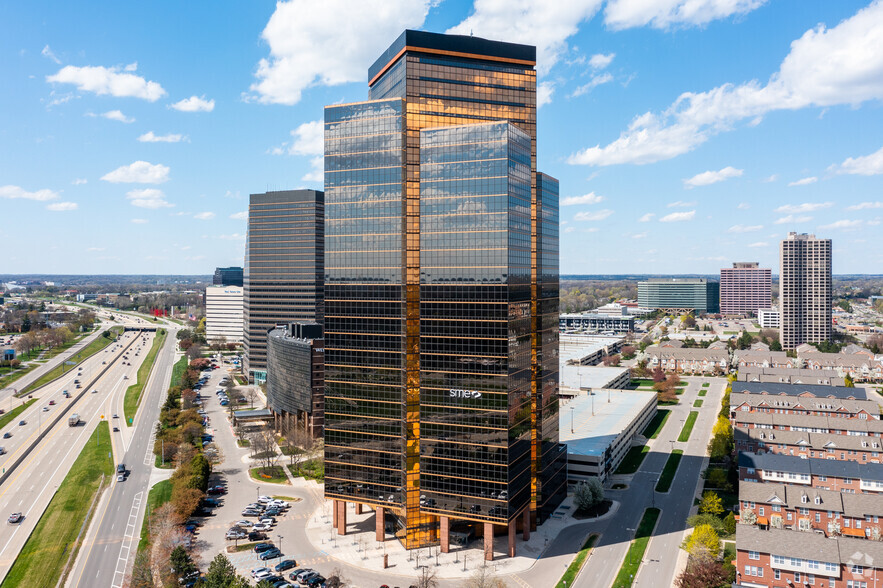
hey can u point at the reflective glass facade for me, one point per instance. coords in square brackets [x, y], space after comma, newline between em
[295, 375]
[441, 267]
[284, 259]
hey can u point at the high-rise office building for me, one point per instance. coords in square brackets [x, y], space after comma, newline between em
[284, 268]
[223, 314]
[804, 289]
[441, 295]
[745, 288]
[296, 378]
[227, 276]
[680, 295]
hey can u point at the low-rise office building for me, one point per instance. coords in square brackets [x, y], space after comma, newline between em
[597, 323]
[223, 314]
[598, 429]
[769, 318]
[586, 349]
[829, 474]
[680, 295]
[296, 377]
[575, 379]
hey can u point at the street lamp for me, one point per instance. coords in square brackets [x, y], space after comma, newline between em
[280, 542]
[571, 419]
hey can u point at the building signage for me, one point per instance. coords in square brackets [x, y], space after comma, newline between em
[464, 393]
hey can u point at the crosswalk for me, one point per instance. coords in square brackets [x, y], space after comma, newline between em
[119, 574]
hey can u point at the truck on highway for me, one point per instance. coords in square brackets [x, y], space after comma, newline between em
[74, 420]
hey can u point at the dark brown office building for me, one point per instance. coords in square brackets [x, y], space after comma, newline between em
[284, 268]
[441, 296]
[296, 377]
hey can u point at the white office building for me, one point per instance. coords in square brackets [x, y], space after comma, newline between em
[223, 313]
[769, 318]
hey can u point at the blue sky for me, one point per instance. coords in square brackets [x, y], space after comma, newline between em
[686, 134]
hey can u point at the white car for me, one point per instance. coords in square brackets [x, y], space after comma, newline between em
[261, 573]
[279, 504]
[262, 527]
[267, 521]
[243, 523]
[264, 499]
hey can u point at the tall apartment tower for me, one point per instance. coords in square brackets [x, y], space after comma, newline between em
[805, 290]
[745, 288]
[441, 296]
[283, 279]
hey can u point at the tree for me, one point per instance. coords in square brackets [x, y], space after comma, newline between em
[428, 578]
[658, 374]
[747, 516]
[611, 360]
[847, 381]
[702, 572]
[583, 497]
[703, 539]
[730, 523]
[688, 321]
[220, 573]
[250, 395]
[775, 346]
[141, 575]
[336, 579]
[711, 504]
[263, 444]
[483, 577]
[194, 352]
[628, 352]
[180, 561]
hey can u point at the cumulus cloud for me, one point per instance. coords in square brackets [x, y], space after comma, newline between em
[47, 52]
[328, 43]
[117, 115]
[16, 192]
[771, 178]
[792, 219]
[825, 67]
[149, 137]
[593, 216]
[676, 217]
[865, 165]
[666, 14]
[544, 93]
[646, 218]
[592, 84]
[194, 104]
[62, 206]
[204, 215]
[317, 171]
[149, 198]
[712, 177]
[108, 80]
[240, 215]
[139, 221]
[842, 224]
[600, 60]
[744, 228]
[308, 139]
[590, 198]
[805, 207]
[865, 206]
[804, 181]
[139, 172]
[79, 181]
[680, 204]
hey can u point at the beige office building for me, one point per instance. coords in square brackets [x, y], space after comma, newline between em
[223, 313]
[805, 289]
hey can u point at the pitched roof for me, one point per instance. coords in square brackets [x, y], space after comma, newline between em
[778, 462]
[813, 546]
[829, 404]
[799, 390]
[809, 421]
[817, 441]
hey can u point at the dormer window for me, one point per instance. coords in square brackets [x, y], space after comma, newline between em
[818, 500]
[803, 499]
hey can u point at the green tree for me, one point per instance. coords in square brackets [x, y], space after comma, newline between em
[703, 540]
[220, 573]
[180, 561]
[711, 504]
[775, 345]
[848, 381]
[730, 523]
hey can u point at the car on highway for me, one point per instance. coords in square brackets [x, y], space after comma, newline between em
[121, 477]
[2, 450]
[45, 409]
[116, 429]
[270, 554]
[7, 435]
[116, 416]
[51, 403]
[15, 518]
[22, 423]
[285, 564]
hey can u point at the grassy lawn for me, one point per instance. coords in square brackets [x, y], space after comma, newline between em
[654, 427]
[706, 384]
[163, 466]
[85, 353]
[313, 469]
[133, 393]
[178, 371]
[688, 426]
[276, 475]
[668, 472]
[577, 563]
[703, 392]
[56, 350]
[16, 374]
[632, 460]
[632, 561]
[158, 496]
[697, 403]
[13, 414]
[54, 540]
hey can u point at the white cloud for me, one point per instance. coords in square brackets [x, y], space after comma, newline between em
[758, 244]
[771, 178]
[825, 67]
[79, 181]
[593, 216]
[108, 80]
[117, 115]
[592, 84]
[47, 52]
[712, 177]
[865, 206]
[842, 224]
[680, 204]
[62, 206]
[791, 219]
[547, 25]
[150, 198]
[805, 207]
[666, 14]
[16, 192]
[569, 229]
[140, 221]
[590, 198]
[744, 228]
[544, 93]
[676, 217]
[804, 181]
[194, 104]
[640, 235]
[232, 237]
[204, 216]
[131, 67]
[240, 215]
[865, 165]
[308, 139]
[743, 206]
[139, 172]
[149, 137]
[600, 60]
[646, 218]
[317, 171]
[328, 43]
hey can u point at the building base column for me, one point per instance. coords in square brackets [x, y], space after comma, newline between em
[358, 508]
[335, 507]
[445, 534]
[512, 524]
[341, 518]
[379, 524]
[525, 522]
[489, 542]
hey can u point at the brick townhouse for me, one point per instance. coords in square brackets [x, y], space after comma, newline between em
[827, 474]
[807, 423]
[803, 444]
[801, 405]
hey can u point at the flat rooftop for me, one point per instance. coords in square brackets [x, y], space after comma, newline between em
[580, 377]
[593, 434]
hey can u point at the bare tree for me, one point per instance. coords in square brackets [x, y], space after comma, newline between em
[165, 533]
[251, 395]
[141, 575]
[263, 443]
[427, 578]
[336, 579]
[195, 351]
[298, 442]
[483, 577]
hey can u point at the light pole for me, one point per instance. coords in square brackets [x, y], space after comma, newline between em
[630, 546]
[571, 419]
[280, 542]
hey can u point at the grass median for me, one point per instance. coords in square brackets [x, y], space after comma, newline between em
[13, 414]
[55, 540]
[133, 393]
[577, 563]
[632, 460]
[626, 576]
[697, 403]
[703, 392]
[159, 494]
[688, 426]
[654, 427]
[668, 472]
[88, 351]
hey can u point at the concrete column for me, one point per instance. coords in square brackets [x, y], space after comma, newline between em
[379, 528]
[358, 508]
[445, 534]
[526, 524]
[512, 537]
[489, 542]
[341, 521]
[335, 504]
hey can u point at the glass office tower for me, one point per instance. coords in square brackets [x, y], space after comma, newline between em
[441, 269]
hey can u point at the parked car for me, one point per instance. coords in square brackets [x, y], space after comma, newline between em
[257, 536]
[263, 527]
[236, 534]
[285, 564]
[261, 573]
[261, 547]
[245, 523]
[305, 573]
[270, 554]
[316, 581]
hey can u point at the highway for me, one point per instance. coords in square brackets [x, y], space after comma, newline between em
[31, 485]
[109, 547]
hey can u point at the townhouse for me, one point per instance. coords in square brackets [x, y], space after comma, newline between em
[802, 444]
[688, 360]
[827, 474]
